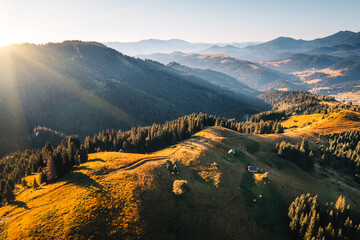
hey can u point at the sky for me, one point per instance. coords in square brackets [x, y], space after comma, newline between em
[41, 21]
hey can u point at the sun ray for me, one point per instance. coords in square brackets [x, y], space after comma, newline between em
[12, 118]
[70, 84]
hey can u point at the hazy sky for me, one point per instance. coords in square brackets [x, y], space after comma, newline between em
[42, 21]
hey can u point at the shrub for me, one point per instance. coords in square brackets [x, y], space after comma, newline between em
[172, 167]
[180, 187]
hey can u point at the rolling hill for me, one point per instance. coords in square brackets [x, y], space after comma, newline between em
[121, 195]
[302, 62]
[324, 74]
[83, 87]
[344, 50]
[194, 189]
[247, 72]
[217, 78]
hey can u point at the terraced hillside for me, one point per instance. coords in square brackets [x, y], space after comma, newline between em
[129, 196]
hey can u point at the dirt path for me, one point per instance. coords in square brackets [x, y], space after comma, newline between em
[29, 209]
[127, 167]
[139, 163]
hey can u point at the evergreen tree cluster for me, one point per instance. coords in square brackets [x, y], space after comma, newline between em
[157, 136]
[150, 138]
[262, 127]
[53, 162]
[342, 151]
[311, 222]
[295, 102]
[302, 102]
[298, 154]
[268, 116]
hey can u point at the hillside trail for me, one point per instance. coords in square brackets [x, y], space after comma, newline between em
[29, 209]
[127, 167]
[138, 163]
[43, 205]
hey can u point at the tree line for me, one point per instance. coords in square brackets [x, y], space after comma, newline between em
[302, 102]
[157, 136]
[309, 221]
[298, 154]
[53, 163]
[342, 151]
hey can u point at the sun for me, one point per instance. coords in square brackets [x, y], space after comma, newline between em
[6, 39]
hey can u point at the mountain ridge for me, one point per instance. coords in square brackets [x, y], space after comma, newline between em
[282, 47]
[246, 72]
[78, 81]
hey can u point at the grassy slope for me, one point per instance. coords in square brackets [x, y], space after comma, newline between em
[120, 195]
[322, 124]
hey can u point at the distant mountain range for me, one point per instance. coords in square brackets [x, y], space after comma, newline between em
[83, 87]
[284, 46]
[249, 73]
[328, 65]
[344, 43]
[165, 46]
[344, 50]
[225, 50]
[323, 74]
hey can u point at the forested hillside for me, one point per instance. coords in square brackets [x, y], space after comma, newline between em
[83, 87]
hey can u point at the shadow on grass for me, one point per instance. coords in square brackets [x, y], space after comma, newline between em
[252, 146]
[83, 180]
[83, 168]
[268, 208]
[96, 160]
[20, 204]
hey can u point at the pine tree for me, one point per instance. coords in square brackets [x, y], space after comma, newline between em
[51, 170]
[48, 147]
[340, 204]
[311, 228]
[83, 154]
[279, 128]
[9, 194]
